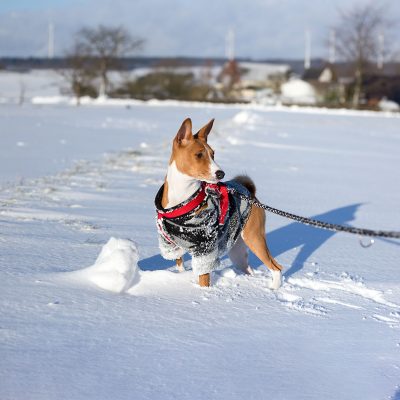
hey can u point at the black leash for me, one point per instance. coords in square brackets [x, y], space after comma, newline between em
[319, 224]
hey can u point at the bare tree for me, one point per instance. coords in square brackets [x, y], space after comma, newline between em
[79, 73]
[357, 39]
[104, 46]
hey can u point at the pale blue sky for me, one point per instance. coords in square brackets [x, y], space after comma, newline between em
[18, 5]
[263, 28]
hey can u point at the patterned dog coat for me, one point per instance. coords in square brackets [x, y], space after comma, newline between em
[206, 225]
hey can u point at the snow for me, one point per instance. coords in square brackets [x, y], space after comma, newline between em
[90, 310]
[14, 85]
[298, 91]
[388, 105]
[115, 268]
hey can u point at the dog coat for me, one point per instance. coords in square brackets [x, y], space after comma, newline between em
[206, 225]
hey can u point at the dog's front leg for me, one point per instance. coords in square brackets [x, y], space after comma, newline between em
[180, 264]
[203, 265]
[204, 280]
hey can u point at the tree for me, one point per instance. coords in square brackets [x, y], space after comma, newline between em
[358, 39]
[103, 46]
[79, 73]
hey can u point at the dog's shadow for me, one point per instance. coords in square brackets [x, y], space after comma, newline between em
[396, 396]
[308, 238]
[291, 236]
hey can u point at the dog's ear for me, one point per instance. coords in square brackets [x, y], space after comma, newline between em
[185, 132]
[202, 134]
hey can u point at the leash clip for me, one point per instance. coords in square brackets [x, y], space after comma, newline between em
[366, 242]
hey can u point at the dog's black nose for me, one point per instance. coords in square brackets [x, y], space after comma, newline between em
[220, 174]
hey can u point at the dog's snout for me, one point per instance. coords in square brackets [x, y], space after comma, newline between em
[220, 174]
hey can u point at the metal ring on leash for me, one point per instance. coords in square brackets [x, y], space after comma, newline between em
[367, 243]
[321, 224]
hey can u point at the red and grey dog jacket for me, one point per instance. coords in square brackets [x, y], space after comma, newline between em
[206, 225]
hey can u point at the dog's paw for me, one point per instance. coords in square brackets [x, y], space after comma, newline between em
[249, 271]
[180, 265]
[276, 280]
[180, 268]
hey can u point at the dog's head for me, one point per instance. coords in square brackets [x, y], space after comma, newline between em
[192, 154]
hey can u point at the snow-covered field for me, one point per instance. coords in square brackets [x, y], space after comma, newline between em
[123, 324]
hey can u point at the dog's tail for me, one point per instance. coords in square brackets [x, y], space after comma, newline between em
[247, 182]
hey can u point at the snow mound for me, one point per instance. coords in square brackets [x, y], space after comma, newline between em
[388, 105]
[228, 273]
[298, 91]
[115, 268]
[245, 118]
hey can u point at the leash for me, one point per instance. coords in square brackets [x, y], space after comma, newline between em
[316, 223]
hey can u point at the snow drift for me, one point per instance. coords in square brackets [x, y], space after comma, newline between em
[115, 268]
[298, 91]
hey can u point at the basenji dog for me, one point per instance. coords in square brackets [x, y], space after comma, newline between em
[199, 214]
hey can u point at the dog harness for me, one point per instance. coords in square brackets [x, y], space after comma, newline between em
[206, 225]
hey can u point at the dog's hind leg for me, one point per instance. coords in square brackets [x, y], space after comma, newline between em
[254, 236]
[239, 256]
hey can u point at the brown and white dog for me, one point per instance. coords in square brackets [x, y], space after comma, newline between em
[191, 168]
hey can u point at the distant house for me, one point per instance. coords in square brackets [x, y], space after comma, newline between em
[249, 81]
[229, 75]
[377, 87]
[329, 74]
[334, 82]
[330, 82]
[262, 75]
[382, 83]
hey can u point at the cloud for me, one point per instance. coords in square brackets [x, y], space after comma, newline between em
[263, 28]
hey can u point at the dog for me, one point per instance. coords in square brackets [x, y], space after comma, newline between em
[199, 215]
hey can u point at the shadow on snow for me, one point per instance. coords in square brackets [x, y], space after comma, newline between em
[280, 240]
[309, 238]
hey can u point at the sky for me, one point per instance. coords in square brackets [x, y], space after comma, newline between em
[263, 28]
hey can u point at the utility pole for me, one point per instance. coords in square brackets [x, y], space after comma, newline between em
[230, 45]
[307, 50]
[381, 50]
[50, 41]
[332, 47]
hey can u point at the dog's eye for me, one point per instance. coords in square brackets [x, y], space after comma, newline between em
[199, 155]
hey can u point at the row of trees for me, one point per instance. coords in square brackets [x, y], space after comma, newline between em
[97, 51]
